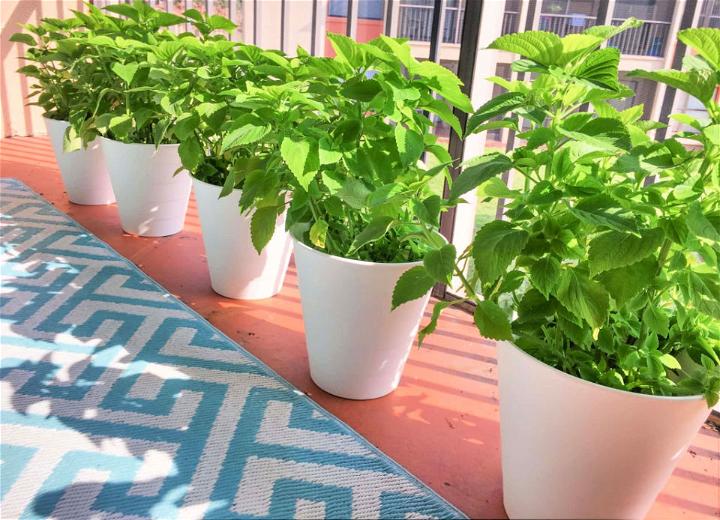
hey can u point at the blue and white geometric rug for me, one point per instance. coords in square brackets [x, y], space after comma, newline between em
[120, 402]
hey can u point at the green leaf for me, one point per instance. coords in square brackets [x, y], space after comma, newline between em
[498, 105]
[603, 210]
[603, 133]
[220, 23]
[542, 47]
[491, 321]
[432, 324]
[495, 246]
[576, 45]
[670, 362]
[699, 84]
[601, 68]
[185, 125]
[121, 125]
[191, 153]
[262, 226]
[614, 249]
[124, 10]
[126, 71]
[318, 233]
[545, 275]
[608, 31]
[302, 158]
[412, 284]
[656, 320]
[249, 133]
[706, 41]
[626, 282]
[479, 171]
[699, 225]
[374, 230]
[354, 193]
[362, 90]
[440, 263]
[23, 38]
[445, 113]
[583, 297]
[410, 145]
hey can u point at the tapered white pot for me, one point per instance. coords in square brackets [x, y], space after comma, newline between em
[151, 199]
[574, 449]
[236, 268]
[357, 346]
[83, 171]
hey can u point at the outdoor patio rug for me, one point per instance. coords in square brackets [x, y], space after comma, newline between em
[118, 401]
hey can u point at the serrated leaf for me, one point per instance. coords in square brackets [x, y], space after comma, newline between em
[361, 90]
[440, 263]
[302, 158]
[495, 246]
[412, 284]
[481, 170]
[498, 105]
[656, 320]
[410, 145]
[603, 210]
[262, 227]
[600, 68]
[699, 225]
[627, 282]
[699, 84]
[706, 41]
[491, 321]
[375, 229]
[614, 249]
[318, 233]
[575, 45]
[126, 71]
[545, 275]
[354, 193]
[540, 46]
[583, 297]
[23, 38]
[249, 133]
[191, 153]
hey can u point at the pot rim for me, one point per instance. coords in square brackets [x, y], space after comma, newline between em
[599, 386]
[46, 118]
[352, 261]
[167, 145]
[195, 179]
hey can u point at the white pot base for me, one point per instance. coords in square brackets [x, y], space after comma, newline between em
[83, 171]
[357, 346]
[237, 271]
[151, 199]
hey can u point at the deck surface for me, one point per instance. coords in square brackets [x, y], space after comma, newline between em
[441, 423]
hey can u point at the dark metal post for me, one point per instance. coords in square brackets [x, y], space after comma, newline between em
[349, 18]
[435, 33]
[388, 16]
[313, 29]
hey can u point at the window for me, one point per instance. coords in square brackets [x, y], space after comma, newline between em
[367, 9]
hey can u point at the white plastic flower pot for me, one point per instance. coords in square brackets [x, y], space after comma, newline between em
[236, 269]
[357, 346]
[83, 171]
[575, 449]
[151, 200]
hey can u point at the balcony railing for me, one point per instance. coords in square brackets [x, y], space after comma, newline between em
[647, 40]
[562, 24]
[511, 20]
[415, 23]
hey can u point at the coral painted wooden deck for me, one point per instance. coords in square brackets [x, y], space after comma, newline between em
[441, 423]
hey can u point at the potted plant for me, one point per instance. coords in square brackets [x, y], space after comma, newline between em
[601, 282]
[124, 100]
[55, 64]
[363, 211]
[229, 126]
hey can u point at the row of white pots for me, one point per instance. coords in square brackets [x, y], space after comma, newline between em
[570, 448]
[347, 357]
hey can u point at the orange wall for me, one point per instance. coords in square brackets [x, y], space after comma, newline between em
[15, 117]
[366, 30]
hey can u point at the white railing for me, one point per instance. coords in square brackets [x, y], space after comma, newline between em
[562, 24]
[647, 40]
[415, 23]
[510, 22]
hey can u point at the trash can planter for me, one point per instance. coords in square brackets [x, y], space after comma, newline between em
[151, 200]
[357, 346]
[236, 268]
[83, 171]
[575, 449]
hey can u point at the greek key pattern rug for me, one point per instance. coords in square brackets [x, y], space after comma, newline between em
[120, 402]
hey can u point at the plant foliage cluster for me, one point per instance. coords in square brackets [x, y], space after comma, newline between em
[606, 263]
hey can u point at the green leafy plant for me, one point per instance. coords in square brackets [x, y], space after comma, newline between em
[606, 264]
[359, 190]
